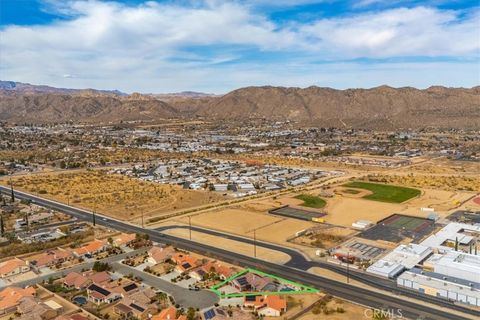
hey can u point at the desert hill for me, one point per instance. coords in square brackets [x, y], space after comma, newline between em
[381, 107]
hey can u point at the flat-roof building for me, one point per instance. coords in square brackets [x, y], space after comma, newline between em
[441, 286]
[456, 264]
[444, 240]
[401, 258]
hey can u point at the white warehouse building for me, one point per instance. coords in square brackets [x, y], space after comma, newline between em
[456, 264]
[438, 285]
[401, 258]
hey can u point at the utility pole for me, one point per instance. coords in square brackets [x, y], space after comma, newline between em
[255, 243]
[11, 189]
[348, 267]
[93, 213]
[190, 226]
[2, 227]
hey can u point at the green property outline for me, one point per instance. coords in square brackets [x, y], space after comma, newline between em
[215, 288]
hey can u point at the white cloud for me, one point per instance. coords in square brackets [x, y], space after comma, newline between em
[149, 47]
[399, 32]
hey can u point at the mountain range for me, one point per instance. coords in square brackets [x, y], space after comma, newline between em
[376, 108]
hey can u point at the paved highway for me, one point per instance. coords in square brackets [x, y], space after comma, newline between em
[343, 290]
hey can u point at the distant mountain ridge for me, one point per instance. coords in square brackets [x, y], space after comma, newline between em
[27, 88]
[381, 107]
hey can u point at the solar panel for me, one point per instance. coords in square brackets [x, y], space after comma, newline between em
[186, 265]
[94, 287]
[242, 281]
[133, 305]
[250, 298]
[209, 314]
[130, 287]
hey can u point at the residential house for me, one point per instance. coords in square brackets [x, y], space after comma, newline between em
[267, 306]
[100, 277]
[215, 314]
[169, 314]
[90, 249]
[31, 308]
[10, 298]
[184, 262]
[124, 240]
[13, 267]
[51, 258]
[253, 282]
[76, 280]
[158, 255]
[128, 308]
[99, 294]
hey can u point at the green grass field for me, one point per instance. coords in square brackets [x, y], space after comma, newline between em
[311, 201]
[385, 193]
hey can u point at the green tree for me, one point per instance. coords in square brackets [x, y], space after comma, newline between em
[2, 226]
[191, 314]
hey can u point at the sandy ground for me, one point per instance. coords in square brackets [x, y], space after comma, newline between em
[114, 195]
[243, 222]
[234, 246]
[295, 303]
[343, 211]
[352, 311]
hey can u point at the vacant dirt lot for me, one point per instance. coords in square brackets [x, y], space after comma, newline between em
[234, 246]
[114, 195]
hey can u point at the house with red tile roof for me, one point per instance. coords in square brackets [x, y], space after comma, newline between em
[129, 308]
[76, 280]
[10, 298]
[50, 258]
[267, 306]
[184, 262]
[158, 254]
[169, 314]
[92, 248]
[99, 277]
[13, 267]
[31, 308]
[123, 239]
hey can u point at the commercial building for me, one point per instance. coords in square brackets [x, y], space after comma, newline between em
[456, 264]
[445, 239]
[401, 258]
[439, 285]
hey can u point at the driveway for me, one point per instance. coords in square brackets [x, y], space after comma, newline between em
[184, 297]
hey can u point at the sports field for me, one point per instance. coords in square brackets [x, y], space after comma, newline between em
[385, 193]
[311, 201]
[397, 227]
[296, 213]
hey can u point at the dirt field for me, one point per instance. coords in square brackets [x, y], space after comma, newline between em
[234, 246]
[243, 221]
[114, 195]
[351, 311]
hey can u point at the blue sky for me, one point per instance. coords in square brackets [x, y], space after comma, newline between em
[216, 46]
